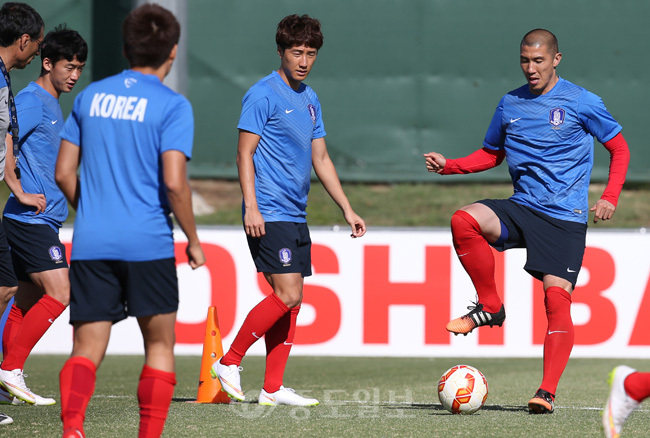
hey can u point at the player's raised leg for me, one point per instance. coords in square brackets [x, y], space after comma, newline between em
[472, 228]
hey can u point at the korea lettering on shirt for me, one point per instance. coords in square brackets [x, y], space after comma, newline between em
[110, 106]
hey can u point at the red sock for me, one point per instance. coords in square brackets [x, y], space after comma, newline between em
[558, 342]
[476, 256]
[155, 392]
[12, 325]
[637, 386]
[77, 383]
[34, 325]
[279, 340]
[259, 320]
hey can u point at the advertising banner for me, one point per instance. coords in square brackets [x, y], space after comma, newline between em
[392, 292]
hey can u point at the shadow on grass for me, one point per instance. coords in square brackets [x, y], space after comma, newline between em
[442, 411]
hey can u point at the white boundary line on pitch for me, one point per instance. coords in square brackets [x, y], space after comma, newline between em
[405, 404]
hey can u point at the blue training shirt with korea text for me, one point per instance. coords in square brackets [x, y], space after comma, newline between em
[549, 146]
[123, 124]
[287, 121]
[41, 121]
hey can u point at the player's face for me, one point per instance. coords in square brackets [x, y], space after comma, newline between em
[64, 74]
[30, 48]
[538, 64]
[296, 63]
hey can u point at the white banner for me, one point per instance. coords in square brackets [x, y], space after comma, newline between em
[392, 292]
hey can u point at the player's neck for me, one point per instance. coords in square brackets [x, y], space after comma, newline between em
[46, 84]
[295, 85]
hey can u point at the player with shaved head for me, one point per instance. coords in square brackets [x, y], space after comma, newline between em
[544, 130]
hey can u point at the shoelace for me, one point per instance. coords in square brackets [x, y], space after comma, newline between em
[21, 379]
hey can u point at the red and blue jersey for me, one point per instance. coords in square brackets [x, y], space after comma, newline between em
[287, 121]
[548, 141]
[123, 124]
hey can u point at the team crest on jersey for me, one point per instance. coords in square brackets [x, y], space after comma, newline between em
[129, 82]
[312, 112]
[285, 256]
[55, 254]
[556, 116]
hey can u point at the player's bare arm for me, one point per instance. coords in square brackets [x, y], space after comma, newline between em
[179, 194]
[435, 162]
[327, 175]
[36, 200]
[246, 146]
[65, 173]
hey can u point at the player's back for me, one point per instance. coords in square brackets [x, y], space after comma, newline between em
[123, 124]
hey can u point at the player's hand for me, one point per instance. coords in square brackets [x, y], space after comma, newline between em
[195, 255]
[357, 224]
[603, 210]
[435, 162]
[254, 223]
[36, 200]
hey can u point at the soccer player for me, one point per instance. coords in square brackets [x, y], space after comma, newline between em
[281, 136]
[37, 209]
[21, 34]
[629, 388]
[545, 131]
[130, 136]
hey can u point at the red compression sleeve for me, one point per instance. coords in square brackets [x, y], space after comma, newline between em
[619, 159]
[478, 161]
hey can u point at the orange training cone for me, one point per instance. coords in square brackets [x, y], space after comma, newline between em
[210, 387]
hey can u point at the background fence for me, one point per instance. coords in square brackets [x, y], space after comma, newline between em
[396, 78]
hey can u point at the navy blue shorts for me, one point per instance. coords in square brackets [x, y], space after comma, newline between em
[285, 248]
[553, 246]
[7, 276]
[34, 248]
[111, 290]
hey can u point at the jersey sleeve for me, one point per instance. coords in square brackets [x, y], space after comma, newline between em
[319, 128]
[596, 119]
[256, 110]
[178, 132]
[72, 129]
[496, 134]
[29, 110]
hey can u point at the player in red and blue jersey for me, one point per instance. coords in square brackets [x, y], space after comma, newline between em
[37, 209]
[281, 136]
[131, 137]
[545, 131]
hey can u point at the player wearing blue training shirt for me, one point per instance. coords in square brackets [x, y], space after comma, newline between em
[37, 209]
[130, 137]
[545, 131]
[21, 34]
[280, 139]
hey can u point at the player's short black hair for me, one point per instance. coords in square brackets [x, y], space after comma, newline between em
[16, 20]
[541, 37]
[150, 32]
[63, 43]
[295, 30]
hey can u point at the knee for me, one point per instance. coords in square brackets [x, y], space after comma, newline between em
[7, 293]
[291, 299]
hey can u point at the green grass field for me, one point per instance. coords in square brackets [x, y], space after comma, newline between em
[360, 397]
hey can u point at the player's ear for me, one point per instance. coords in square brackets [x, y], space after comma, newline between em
[47, 64]
[172, 54]
[557, 59]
